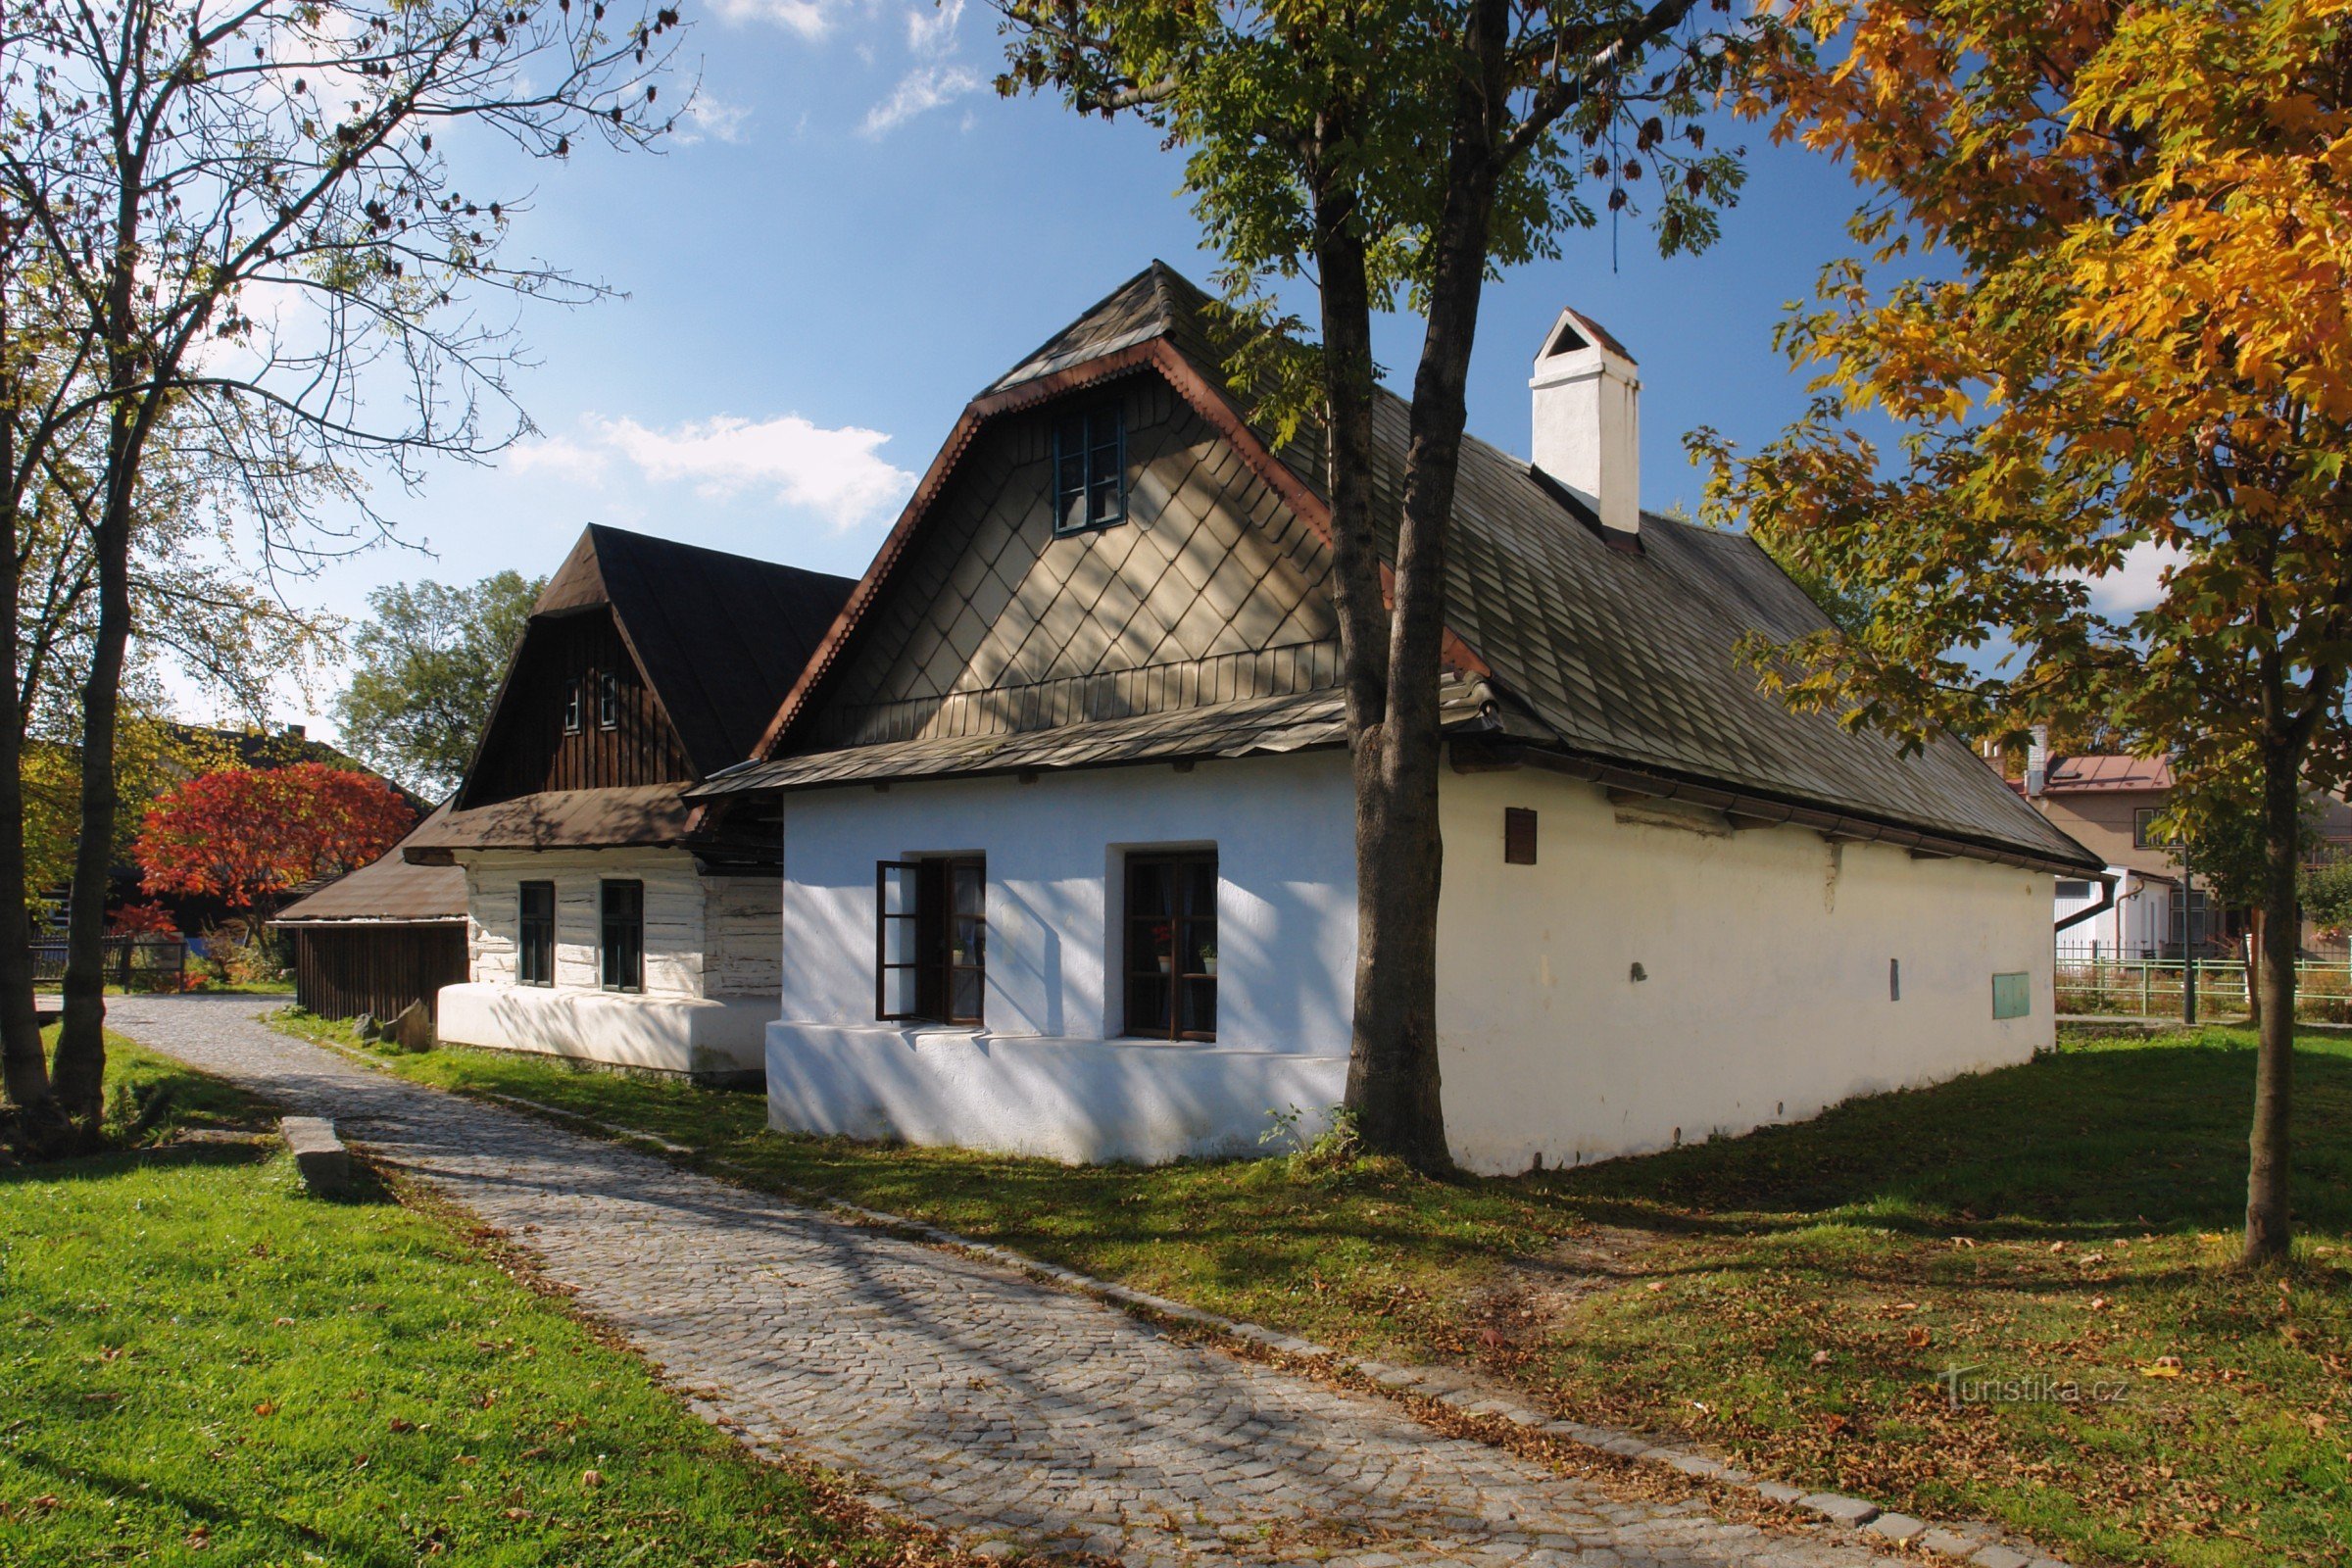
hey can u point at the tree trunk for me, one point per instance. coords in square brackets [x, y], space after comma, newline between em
[2268, 1220]
[80, 1067]
[23, 1069]
[1393, 1077]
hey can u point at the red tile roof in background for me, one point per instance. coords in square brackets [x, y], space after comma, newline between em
[2081, 775]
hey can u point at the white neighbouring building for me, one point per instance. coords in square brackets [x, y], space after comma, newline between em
[1066, 824]
[606, 920]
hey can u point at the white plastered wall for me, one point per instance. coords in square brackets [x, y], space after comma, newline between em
[710, 963]
[1766, 954]
[1049, 1074]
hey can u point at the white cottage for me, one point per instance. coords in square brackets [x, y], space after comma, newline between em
[1068, 863]
[605, 918]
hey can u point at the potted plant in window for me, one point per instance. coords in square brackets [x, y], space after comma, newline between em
[1163, 937]
[1209, 958]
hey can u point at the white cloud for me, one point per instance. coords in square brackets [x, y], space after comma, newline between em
[810, 18]
[837, 473]
[560, 456]
[920, 90]
[711, 118]
[931, 27]
[2137, 583]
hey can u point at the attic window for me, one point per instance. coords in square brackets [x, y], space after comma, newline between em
[1090, 470]
[571, 707]
[608, 702]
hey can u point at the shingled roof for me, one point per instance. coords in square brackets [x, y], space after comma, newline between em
[1595, 652]
[719, 636]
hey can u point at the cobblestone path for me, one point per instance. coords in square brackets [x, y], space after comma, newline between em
[959, 1391]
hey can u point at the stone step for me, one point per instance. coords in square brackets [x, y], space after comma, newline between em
[319, 1155]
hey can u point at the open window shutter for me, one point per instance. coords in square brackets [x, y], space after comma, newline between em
[898, 950]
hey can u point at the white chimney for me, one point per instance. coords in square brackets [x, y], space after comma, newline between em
[1587, 396]
[2038, 762]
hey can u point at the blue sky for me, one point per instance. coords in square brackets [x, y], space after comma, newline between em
[852, 235]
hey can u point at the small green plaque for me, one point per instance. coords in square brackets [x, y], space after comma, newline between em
[2012, 994]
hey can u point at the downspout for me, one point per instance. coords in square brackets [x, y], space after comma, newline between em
[2106, 902]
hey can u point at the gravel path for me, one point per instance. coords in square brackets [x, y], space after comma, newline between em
[959, 1392]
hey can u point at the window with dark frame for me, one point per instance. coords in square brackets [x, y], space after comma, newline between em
[1171, 948]
[535, 936]
[2144, 828]
[571, 706]
[1090, 469]
[608, 702]
[1518, 836]
[620, 946]
[931, 940]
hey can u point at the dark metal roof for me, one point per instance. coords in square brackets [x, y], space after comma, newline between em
[720, 637]
[390, 890]
[1625, 657]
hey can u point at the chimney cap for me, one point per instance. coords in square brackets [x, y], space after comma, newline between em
[1574, 332]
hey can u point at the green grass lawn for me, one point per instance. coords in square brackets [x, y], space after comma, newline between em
[200, 1364]
[1788, 1297]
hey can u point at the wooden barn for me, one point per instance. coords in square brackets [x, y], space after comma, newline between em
[380, 938]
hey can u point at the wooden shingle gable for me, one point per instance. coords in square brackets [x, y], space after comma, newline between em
[1216, 590]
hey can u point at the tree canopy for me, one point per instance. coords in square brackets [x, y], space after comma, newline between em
[2116, 346]
[427, 665]
[247, 836]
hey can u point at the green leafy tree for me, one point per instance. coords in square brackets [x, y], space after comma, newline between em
[2326, 892]
[426, 664]
[1395, 150]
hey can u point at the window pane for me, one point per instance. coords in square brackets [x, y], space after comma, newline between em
[624, 936]
[963, 1002]
[1171, 945]
[897, 992]
[1199, 1001]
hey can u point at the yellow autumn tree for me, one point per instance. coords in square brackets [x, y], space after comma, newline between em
[2116, 356]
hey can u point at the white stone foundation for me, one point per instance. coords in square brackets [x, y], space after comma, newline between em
[705, 1037]
[1077, 1100]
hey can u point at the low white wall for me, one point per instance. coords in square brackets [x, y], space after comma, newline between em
[703, 1036]
[1766, 954]
[1084, 1102]
[710, 963]
[1049, 1073]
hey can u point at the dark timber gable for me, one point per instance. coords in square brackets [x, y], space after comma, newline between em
[528, 749]
[699, 647]
[1211, 591]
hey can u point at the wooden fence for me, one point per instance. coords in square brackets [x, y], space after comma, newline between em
[132, 963]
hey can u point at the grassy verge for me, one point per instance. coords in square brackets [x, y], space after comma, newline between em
[2061, 1231]
[201, 1364]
